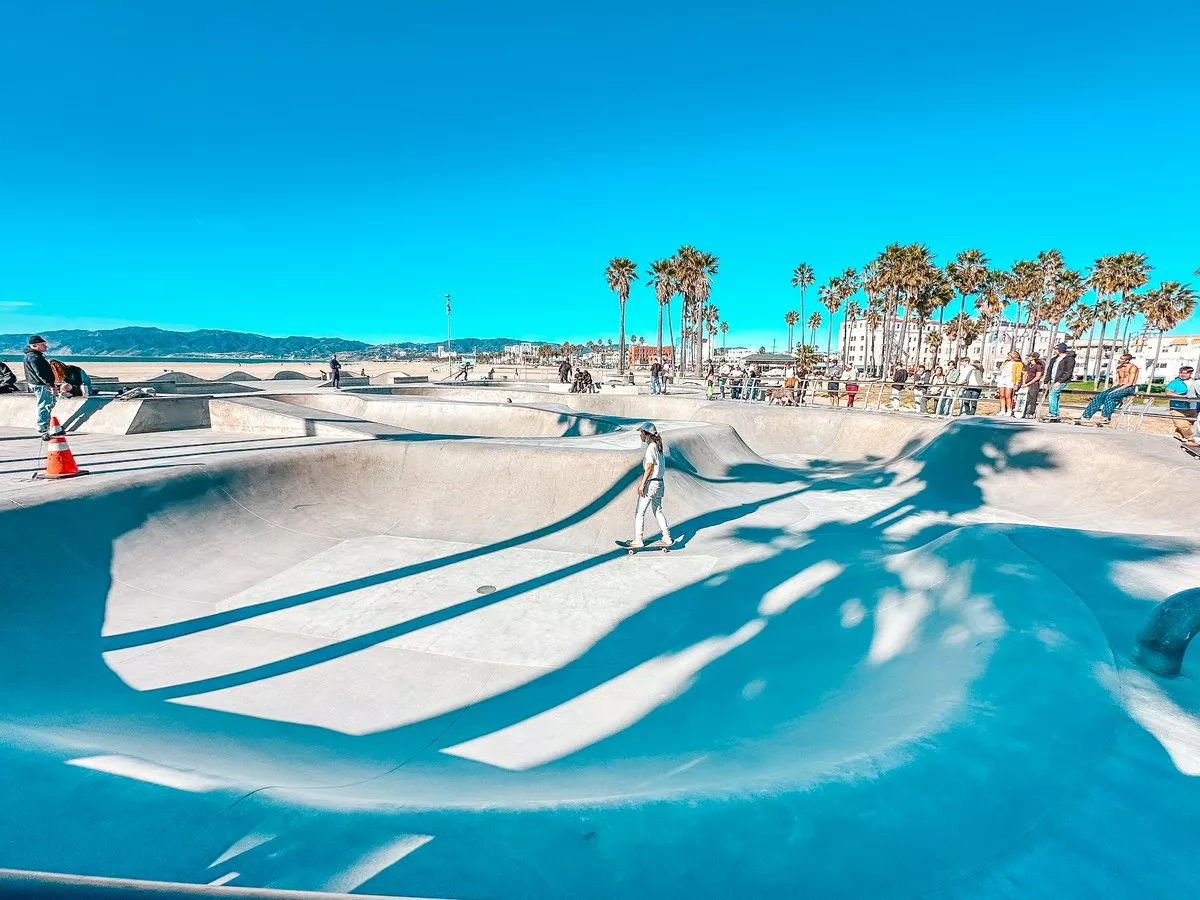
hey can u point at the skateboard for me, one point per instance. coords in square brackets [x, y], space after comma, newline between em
[1193, 452]
[654, 545]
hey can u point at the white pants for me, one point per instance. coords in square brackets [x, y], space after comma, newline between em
[652, 499]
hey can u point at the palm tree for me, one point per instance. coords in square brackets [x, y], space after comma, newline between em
[1069, 286]
[724, 326]
[1131, 271]
[1165, 307]
[802, 278]
[661, 277]
[695, 273]
[967, 272]
[814, 322]
[1079, 320]
[1102, 280]
[830, 296]
[621, 272]
[790, 318]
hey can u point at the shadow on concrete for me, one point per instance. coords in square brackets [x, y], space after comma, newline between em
[858, 677]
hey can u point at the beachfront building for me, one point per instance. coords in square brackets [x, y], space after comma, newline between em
[519, 352]
[1177, 350]
[865, 350]
[644, 354]
[734, 354]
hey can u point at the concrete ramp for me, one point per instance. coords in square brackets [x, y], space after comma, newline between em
[418, 664]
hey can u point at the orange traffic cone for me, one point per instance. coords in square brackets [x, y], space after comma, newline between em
[60, 463]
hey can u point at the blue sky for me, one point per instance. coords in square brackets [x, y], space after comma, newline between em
[334, 168]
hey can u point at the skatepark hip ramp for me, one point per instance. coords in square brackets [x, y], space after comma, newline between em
[418, 665]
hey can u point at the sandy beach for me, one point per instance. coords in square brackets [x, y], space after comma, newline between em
[141, 371]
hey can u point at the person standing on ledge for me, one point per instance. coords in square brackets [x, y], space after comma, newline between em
[40, 378]
[335, 372]
[651, 487]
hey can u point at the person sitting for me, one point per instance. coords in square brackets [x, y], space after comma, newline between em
[71, 381]
[1182, 405]
[8, 380]
[1106, 402]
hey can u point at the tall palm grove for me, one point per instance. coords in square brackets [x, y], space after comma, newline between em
[947, 307]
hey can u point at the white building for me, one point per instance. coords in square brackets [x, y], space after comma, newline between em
[519, 351]
[1177, 350]
[735, 354]
[990, 348]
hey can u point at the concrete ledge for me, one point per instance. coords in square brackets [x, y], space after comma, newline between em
[107, 415]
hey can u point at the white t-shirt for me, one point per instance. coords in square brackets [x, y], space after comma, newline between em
[654, 460]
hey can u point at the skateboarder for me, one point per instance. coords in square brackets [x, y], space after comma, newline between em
[335, 372]
[651, 487]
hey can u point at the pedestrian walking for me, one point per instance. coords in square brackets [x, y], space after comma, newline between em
[1106, 402]
[651, 488]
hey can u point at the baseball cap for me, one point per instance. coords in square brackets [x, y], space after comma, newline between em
[648, 427]
[36, 339]
[1060, 346]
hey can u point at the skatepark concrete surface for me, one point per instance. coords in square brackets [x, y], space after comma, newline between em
[383, 642]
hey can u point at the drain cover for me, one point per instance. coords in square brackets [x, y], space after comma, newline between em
[485, 589]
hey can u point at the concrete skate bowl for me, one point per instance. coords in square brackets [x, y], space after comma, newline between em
[238, 375]
[851, 681]
[434, 416]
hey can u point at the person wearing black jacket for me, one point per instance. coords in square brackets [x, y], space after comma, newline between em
[40, 378]
[8, 380]
[335, 372]
[1059, 373]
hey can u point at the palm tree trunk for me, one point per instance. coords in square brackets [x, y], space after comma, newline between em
[941, 334]
[1100, 355]
[660, 346]
[682, 361]
[1154, 365]
[828, 342]
[920, 337]
[962, 312]
[1087, 353]
[621, 343]
[903, 336]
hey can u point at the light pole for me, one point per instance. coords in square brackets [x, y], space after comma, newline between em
[449, 342]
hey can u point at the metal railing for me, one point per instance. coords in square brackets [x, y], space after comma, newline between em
[942, 401]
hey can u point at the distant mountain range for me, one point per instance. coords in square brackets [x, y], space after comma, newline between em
[155, 342]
